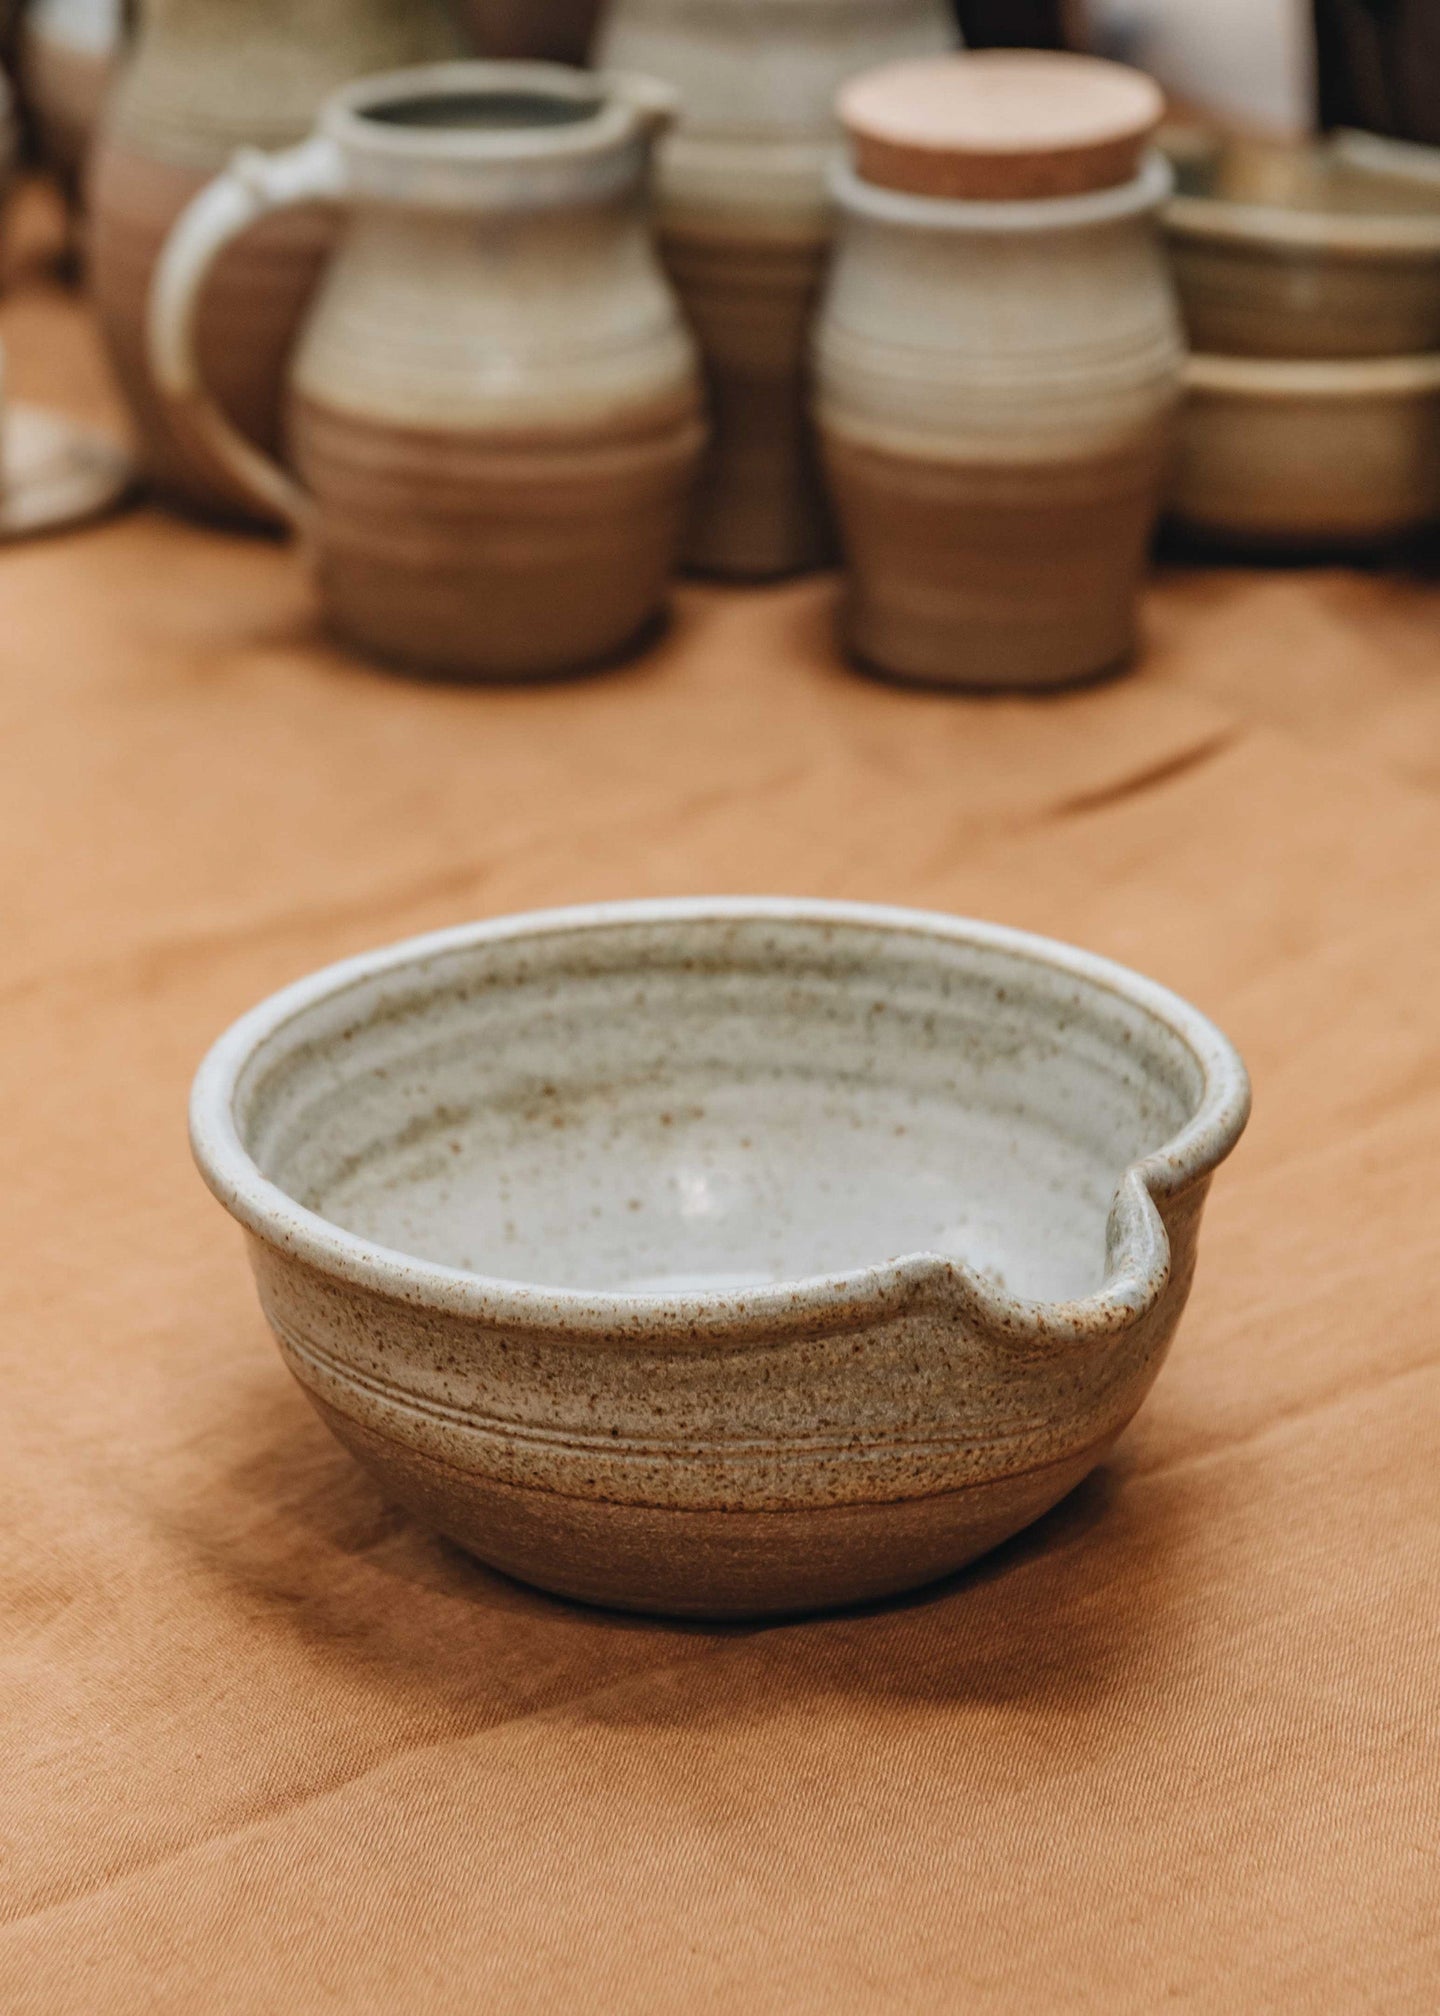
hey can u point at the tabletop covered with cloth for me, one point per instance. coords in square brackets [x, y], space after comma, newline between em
[269, 1745]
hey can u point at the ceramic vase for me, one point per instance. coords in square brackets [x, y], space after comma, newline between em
[745, 229]
[997, 390]
[496, 407]
[204, 78]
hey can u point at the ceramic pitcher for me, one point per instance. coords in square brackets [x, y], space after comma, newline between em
[997, 380]
[745, 227]
[495, 404]
[204, 77]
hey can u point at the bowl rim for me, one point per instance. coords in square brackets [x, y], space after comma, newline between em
[1139, 1258]
[1289, 228]
[1270, 227]
[1409, 375]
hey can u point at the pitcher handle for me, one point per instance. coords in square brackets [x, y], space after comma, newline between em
[253, 186]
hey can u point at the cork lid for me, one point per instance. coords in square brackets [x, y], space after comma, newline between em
[1000, 124]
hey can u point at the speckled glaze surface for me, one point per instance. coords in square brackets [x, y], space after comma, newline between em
[205, 77]
[496, 405]
[723, 1257]
[1325, 250]
[745, 230]
[1314, 452]
[996, 388]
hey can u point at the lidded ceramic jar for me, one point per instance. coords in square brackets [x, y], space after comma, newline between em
[745, 230]
[999, 365]
[495, 405]
[203, 78]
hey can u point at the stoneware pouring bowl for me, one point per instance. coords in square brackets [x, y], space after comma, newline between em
[494, 404]
[722, 1257]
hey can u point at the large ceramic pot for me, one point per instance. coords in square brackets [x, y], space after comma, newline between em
[745, 228]
[207, 77]
[68, 50]
[496, 404]
[997, 375]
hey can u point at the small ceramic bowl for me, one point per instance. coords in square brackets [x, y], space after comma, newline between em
[722, 1257]
[1308, 454]
[1326, 250]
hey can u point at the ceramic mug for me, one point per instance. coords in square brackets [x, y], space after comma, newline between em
[494, 405]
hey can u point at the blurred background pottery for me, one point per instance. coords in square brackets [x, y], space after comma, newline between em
[496, 409]
[203, 78]
[55, 472]
[745, 230]
[1326, 250]
[1296, 454]
[559, 31]
[68, 54]
[997, 377]
[9, 147]
[640, 1252]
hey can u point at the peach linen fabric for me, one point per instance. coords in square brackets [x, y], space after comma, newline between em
[269, 1746]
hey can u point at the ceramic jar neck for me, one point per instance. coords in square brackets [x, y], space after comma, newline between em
[942, 217]
[506, 140]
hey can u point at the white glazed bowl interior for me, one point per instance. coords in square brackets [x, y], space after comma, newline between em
[672, 1099]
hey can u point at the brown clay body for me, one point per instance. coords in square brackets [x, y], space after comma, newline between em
[745, 230]
[496, 408]
[491, 554]
[206, 77]
[708, 1562]
[974, 573]
[760, 507]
